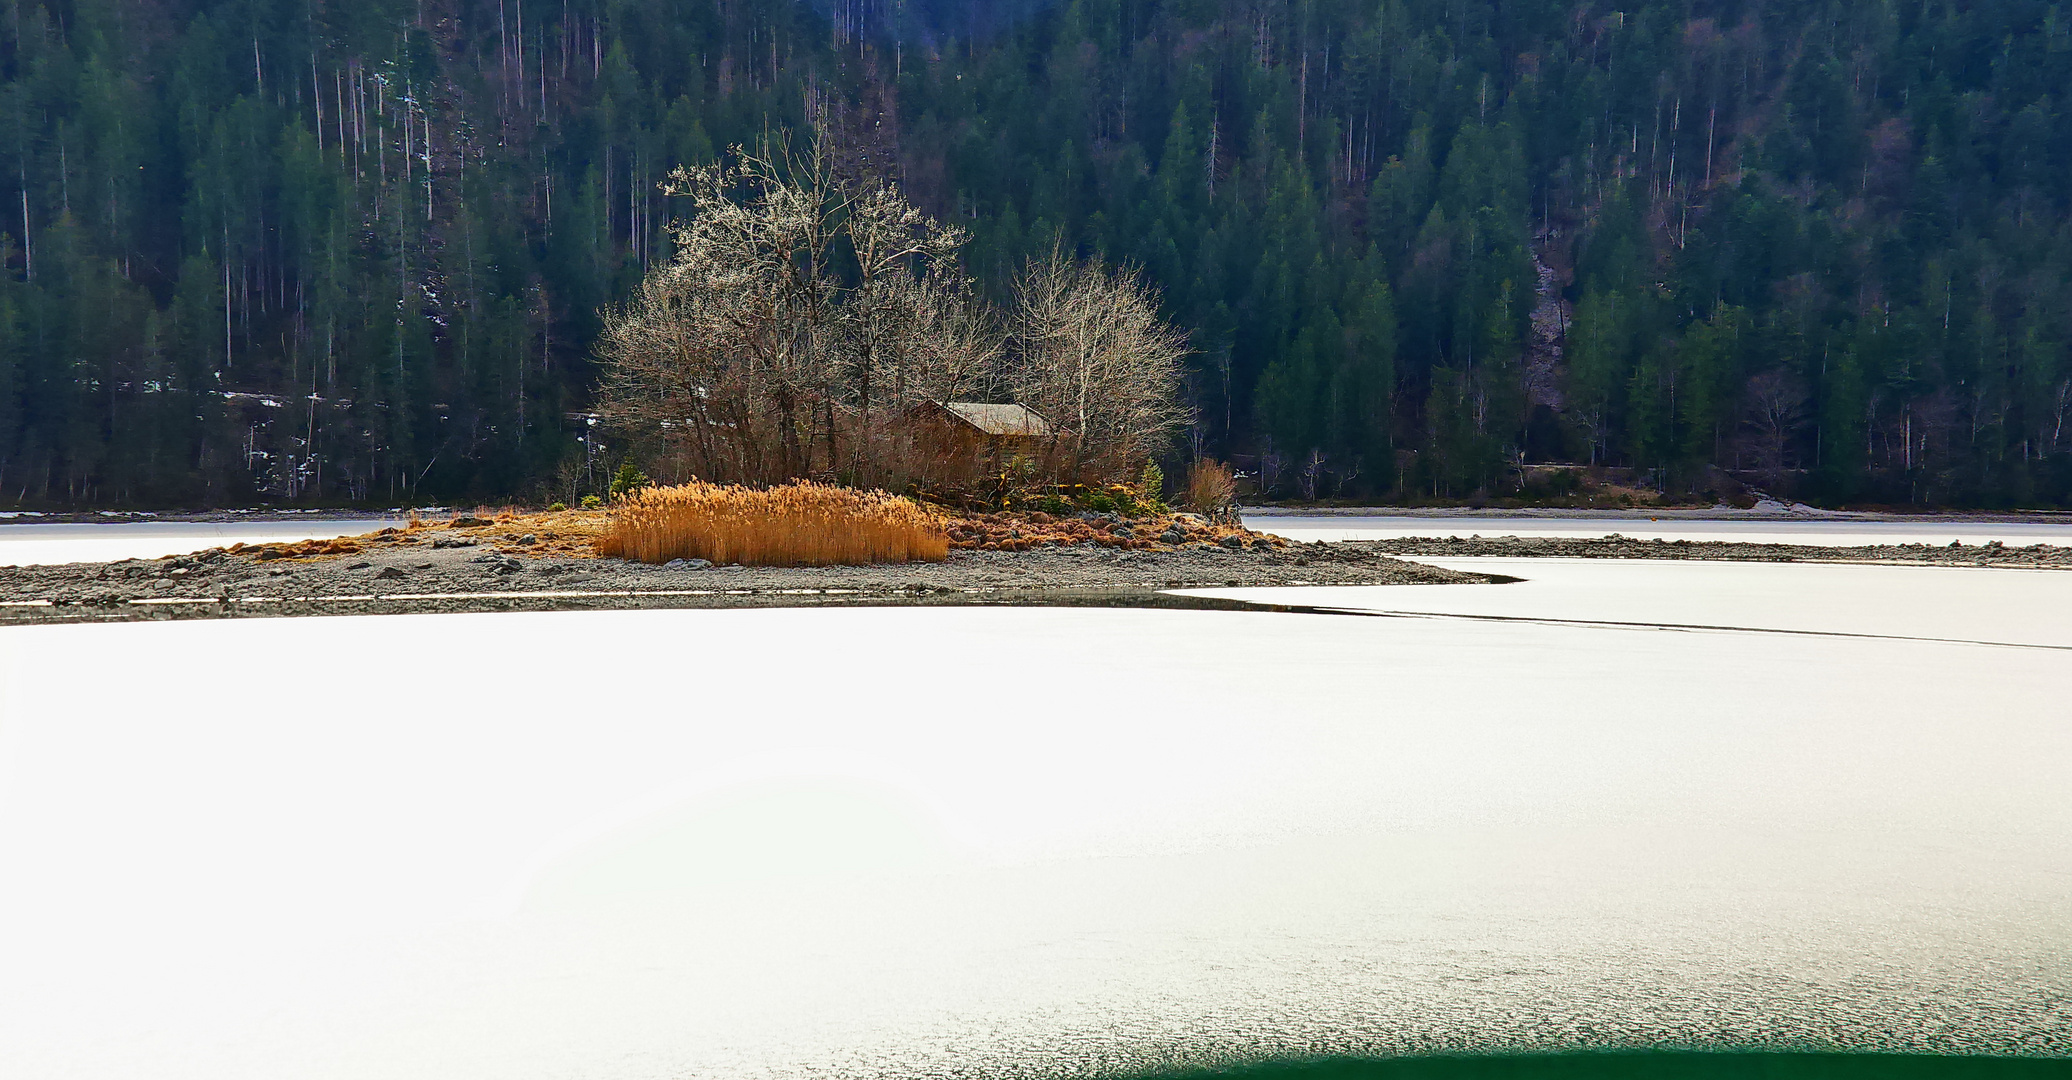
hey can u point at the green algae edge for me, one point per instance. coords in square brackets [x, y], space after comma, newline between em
[1635, 1065]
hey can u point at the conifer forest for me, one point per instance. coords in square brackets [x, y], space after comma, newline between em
[330, 252]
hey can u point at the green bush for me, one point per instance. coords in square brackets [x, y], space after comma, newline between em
[592, 502]
[1151, 489]
[557, 507]
[628, 480]
[1639, 1064]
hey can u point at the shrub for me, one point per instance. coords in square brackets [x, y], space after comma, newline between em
[556, 508]
[1211, 489]
[629, 479]
[799, 524]
[592, 502]
[1151, 488]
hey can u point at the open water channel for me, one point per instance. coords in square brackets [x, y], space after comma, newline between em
[1614, 804]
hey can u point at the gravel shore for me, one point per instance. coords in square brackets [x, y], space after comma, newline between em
[1614, 546]
[491, 568]
[434, 572]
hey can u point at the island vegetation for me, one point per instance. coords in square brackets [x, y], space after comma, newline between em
[797, 524]
[812, 325]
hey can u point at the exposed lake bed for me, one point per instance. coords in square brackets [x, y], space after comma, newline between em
[483, 569]
[478, 575]
[2038, 556]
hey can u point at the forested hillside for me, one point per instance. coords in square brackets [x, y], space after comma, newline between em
[348, 250]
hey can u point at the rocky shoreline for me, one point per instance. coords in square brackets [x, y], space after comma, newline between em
[480, 564]
[1466, 516]
[1614, 546]
[482, 569]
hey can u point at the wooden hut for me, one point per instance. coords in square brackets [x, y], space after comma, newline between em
[978, 438]
[998, 425]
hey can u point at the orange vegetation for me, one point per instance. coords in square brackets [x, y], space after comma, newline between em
[796, 525]
[302, 549]
[799, 524]
[1024, 531]
[1211, 487]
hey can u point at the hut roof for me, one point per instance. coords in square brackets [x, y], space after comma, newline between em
[998, 419]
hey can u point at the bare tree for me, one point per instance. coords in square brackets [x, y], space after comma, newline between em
[1776, 409]
[808, 318]
[1271, 465]
[1088, 351]
[721, 349]
[907, 337]
[801, 317]
[2061, 403]
[1312, 472]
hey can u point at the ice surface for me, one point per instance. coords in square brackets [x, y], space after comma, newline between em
[1825, 533]
[2032, 607]
[41, 545]
[901, 842]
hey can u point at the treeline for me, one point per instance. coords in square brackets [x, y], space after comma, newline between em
[323, 251]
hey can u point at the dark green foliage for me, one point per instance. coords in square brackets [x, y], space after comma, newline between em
[335, 251]
[627, 480]
[1151, 488]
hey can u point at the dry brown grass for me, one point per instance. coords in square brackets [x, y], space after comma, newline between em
[1210, 486]
[799, 524]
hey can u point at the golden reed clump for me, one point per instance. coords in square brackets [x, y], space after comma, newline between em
[797, 524]
[1210, 486]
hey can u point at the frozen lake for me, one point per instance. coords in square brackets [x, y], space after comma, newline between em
[40, 545]
[2024, 607]
[1752, 531]
[906, 842]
